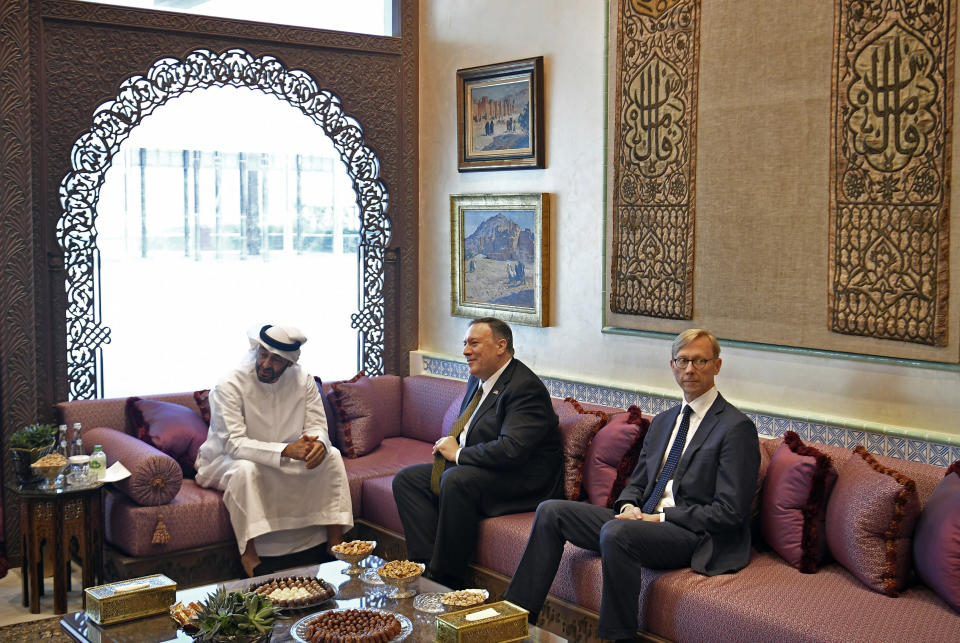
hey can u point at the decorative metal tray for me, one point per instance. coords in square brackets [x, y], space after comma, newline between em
[299, 629]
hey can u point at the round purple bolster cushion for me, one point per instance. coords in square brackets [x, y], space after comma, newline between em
[155, 477]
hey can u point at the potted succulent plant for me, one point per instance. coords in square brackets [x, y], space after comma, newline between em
[235, 616]
[28, 445]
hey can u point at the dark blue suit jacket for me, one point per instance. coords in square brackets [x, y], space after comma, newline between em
[713, 485]
[515, 431]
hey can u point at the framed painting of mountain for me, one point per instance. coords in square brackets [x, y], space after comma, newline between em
[500, 257]
[500, 116]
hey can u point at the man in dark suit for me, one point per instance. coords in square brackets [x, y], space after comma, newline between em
[502, 456]
[687, 506]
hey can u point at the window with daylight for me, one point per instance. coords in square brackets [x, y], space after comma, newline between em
[374, 17]
[225, 209]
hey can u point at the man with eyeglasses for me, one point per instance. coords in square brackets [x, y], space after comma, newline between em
[687, 503]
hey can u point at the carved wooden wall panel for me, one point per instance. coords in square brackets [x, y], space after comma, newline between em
[79, 53]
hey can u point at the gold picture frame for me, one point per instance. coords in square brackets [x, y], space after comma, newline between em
[500, 257]
[500, 116]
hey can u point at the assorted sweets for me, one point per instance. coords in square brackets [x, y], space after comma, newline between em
[353, 625]
[292, 592]
[354, 548]
[399, 569]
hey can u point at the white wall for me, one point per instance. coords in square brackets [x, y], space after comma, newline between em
[570, 34]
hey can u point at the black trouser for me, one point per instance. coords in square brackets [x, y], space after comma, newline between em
[624, 546]
[443, 529]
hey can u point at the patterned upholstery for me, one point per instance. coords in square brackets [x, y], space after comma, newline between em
[768, 600]
[501, 543]
[425, 402]
[155, 478]
[392, 455]
[771, 601]
[195, 517]
[367, 410]
[378, 504]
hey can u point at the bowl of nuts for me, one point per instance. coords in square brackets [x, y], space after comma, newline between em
[401, 573]
[438, 602]
[50, 467]
[353, 552]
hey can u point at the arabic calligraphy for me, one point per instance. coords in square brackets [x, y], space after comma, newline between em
[891, 93]
[652, 8]
[652, 118]
[890, 165]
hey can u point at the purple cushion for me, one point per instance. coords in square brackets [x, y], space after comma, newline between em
[870, 519]
[577, 430]
[326, 392]
[171, 428]
[368, 410]
[155, 478]
[936, 542]
[612, 456]
[793, 514]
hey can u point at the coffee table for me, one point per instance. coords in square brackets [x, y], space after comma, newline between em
[351, 593]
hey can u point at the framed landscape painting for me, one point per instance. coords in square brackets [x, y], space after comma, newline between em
[500, 116]
[500, 257]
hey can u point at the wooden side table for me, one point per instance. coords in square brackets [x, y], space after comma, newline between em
[53, 517]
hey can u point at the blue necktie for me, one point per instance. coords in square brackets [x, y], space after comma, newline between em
[668, 467]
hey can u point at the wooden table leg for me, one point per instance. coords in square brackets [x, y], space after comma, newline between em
[25, 566]
[61, 559]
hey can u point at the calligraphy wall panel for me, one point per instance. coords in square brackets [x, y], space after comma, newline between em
[890, 158]
[764, 175]
[655, 157]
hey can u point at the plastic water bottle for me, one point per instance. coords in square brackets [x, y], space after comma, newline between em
[62, 441]
[98, 463]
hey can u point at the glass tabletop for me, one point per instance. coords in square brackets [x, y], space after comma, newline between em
[351, 593]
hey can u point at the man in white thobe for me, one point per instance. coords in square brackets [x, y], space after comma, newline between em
[269, 451]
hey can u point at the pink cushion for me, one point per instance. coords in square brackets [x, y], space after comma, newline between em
[195, 517]
[379, 505]
[870, 519]
[577, 429]
[368, 410]
[797, 485]
[769, 601]
[936, 542]
[612, 456]
[425, 403]
[392, 455]
[171, 428]
[155, 478]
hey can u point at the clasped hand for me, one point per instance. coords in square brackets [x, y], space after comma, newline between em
[634, 513]
[308, 448]
[447, 447]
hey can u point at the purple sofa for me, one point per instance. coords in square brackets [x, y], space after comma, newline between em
[387, 422]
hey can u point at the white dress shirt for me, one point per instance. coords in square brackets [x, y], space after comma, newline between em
[698, 409]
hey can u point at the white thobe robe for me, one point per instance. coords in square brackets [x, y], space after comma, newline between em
[271, 498]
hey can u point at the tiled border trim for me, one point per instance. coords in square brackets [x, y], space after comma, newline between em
[907, 445]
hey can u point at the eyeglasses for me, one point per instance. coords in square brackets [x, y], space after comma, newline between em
[698, 363]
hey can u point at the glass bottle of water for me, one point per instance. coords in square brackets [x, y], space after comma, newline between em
[98, 463]
[77, 428]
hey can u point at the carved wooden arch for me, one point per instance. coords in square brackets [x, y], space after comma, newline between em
[92, 155]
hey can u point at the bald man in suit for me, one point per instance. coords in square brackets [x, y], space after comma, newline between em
[507, 459]
[687, 506]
